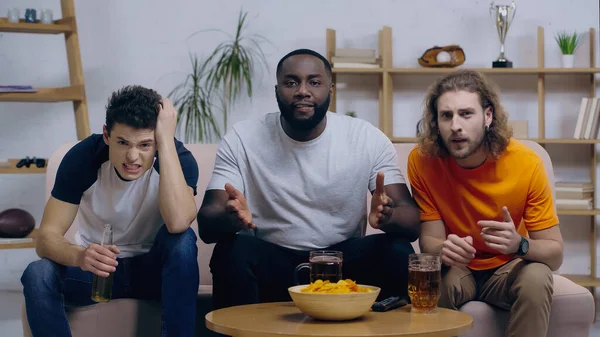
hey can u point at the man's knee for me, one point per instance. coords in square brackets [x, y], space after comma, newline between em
[394, 245]
[41, 276]
[234, 252]
[401, 248]
[181, 246]
[535, 283]
[455, 288]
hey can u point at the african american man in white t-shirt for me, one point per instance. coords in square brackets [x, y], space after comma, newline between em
[297, 180]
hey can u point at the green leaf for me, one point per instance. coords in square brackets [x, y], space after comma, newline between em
[567, 43]
[218, 81]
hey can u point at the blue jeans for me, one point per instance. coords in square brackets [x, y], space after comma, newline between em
[168, 273]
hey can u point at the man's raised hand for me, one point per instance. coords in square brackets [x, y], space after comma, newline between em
[238, 207]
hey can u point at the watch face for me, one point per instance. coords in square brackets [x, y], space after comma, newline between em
[524, 246]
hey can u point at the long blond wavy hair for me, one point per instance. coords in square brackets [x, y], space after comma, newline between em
[497, 135]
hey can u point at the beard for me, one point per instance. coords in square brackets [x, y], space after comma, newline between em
[472, 146]
[287, 111]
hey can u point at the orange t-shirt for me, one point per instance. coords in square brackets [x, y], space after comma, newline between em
[460, 197]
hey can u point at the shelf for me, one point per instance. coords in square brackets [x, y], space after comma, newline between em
[33, 234]
[357, 70]
[566, 141]
[541, 141]
[404, 139]
[584, 280]
[65, 94]
[13, 169]
[59, 26]
[578, 211]
[522, 71]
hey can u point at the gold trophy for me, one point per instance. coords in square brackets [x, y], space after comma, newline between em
[503, 16]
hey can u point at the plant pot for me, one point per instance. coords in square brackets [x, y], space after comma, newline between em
[567, 60]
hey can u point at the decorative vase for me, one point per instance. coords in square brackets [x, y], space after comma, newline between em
[567, 60]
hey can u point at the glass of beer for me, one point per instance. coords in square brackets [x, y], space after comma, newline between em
[424, 278]
[325, 265]
[102, 286]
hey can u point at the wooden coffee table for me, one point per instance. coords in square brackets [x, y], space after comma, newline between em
[284, 319]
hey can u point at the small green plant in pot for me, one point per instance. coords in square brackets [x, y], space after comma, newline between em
[232, 64]
[216, 82]
[568, 43]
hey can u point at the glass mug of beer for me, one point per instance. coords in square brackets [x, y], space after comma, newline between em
[424, 278]
[102, 286]
[324, 265]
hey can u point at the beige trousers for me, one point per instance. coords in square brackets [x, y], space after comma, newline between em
[525, 288]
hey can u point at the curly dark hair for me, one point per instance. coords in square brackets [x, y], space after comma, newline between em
[134, 106]
[499, 133]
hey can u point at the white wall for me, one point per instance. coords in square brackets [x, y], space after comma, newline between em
[144, 42]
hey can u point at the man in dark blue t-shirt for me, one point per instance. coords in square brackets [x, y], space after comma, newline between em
[138, 178]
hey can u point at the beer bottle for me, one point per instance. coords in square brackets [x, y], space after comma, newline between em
[102, 286]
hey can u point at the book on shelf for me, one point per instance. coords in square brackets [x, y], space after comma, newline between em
[582, 204]
[355, 52]
[574, 195]
[355, 58]
[588, 119]
[343, 59]
[354, 65]
[17, 88]
[573, 186]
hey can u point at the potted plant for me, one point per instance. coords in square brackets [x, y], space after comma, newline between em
[195, 109]
[568, 43]
[216, 82]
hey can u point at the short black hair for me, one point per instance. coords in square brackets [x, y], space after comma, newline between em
[134, 106]
[305, 52]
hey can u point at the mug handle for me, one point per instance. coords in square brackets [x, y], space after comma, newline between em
[298, 268]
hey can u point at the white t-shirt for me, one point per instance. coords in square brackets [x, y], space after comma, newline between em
[305, 195]
[87, 178]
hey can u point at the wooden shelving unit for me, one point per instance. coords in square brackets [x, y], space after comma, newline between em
[13, 169]
[32, 235]
[387, 73]
[75, 92]
[65, 94]
[66, 25]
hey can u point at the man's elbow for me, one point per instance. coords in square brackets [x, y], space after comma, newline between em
[414, 233]
[558, 261]
[204, 231]
[179, 224]
[40, 243]
[415, 227]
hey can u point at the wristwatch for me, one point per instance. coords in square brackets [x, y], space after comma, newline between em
[523, 247]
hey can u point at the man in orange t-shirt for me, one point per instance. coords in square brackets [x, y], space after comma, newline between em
[486, 205]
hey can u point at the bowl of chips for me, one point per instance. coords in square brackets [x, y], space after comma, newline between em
[344, 300]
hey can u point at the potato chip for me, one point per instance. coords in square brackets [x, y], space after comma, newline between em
[341, 287]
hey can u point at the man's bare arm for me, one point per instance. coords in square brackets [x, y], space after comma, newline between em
[393, 210]
[50, 242]
[223, 212]
[405, 217]
[546, 246]
[433, 235]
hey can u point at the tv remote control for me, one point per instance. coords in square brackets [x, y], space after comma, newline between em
[389, 304]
